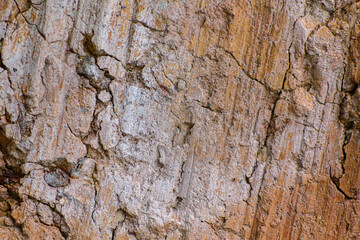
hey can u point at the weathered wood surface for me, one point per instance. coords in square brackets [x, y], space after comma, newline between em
[204, 119]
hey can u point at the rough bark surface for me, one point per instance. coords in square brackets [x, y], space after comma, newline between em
[197, 119]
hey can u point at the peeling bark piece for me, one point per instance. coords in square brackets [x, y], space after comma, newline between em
[303, 102]
[113, 67]
[109, 133]
[45, 214]
[88, 68]
[104, 96]
[57, 178]
[80, 107]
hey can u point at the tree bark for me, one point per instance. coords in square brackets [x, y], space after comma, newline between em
[197, 119]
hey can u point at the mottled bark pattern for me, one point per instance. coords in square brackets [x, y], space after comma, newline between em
[193, 119]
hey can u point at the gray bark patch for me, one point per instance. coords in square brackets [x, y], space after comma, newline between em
[57, 178]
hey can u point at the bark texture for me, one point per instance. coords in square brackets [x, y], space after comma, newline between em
[193, 119]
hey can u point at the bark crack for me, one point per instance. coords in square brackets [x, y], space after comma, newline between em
[21, 12]
[336, 180]
[268, 88]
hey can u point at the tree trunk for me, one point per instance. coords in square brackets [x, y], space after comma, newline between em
[197, 119]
